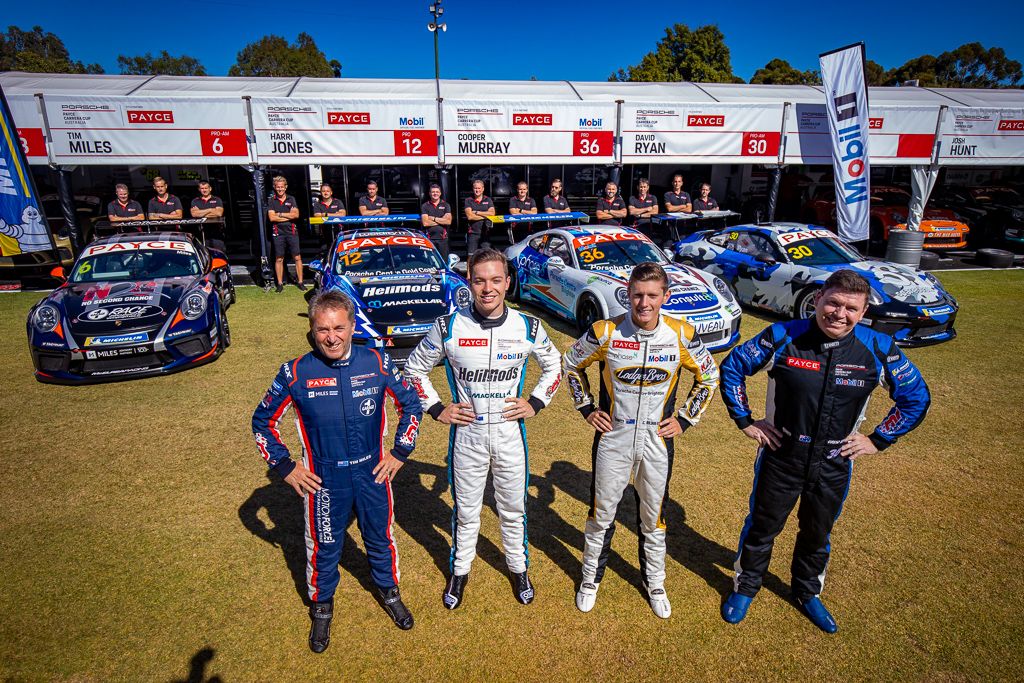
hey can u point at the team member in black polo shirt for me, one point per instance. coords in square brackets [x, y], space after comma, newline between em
[371, 204]
[643, 206]
[206, 205]
[328, 205]
[522, 202]
[677, 199]
[476, 207]
[124, 209]
[436, 216]
[282, 210]
[554, 202]
[164, 206]
[610, 208]
[705, 202]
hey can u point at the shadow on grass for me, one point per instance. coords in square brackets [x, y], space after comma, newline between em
[704, 557]
[197, 668]
[287, 532]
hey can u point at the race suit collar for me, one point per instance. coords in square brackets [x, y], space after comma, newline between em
[488, 323]
[825, 342]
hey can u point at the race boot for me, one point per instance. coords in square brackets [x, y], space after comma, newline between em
[522, 587]
[658, 598]
[586, 596]
[453, 590]
[735, 607]
[396, 609]
[321, 614]
[815, 610]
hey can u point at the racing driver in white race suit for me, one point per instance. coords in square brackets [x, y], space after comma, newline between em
[485, 347]
[641, 357]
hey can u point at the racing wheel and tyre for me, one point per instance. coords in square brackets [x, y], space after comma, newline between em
[588, 313]
[513, 286]
[804, 307]
[995, 258]
[223, 331]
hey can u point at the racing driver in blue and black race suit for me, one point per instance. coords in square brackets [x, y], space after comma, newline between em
[338, 393]
[821, 372]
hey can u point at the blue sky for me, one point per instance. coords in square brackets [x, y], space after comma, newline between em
[549, 40]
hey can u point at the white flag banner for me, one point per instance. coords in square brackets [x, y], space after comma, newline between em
[846, 102]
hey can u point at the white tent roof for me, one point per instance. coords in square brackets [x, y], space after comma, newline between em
[17, 83]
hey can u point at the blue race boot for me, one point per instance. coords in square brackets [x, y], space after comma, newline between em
[815, 610]
[735, 607]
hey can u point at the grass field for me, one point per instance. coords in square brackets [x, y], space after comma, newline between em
[141, 540]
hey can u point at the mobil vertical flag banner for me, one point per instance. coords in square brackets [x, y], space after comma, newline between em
[846, 101]
[23, 228]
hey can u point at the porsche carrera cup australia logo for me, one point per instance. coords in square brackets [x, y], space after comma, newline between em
[641, 377]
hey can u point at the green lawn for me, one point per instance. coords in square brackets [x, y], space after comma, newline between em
[140, 536]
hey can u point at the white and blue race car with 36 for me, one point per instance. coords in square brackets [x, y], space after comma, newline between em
[581, 273]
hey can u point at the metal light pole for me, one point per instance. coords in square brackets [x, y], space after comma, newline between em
[434, 27]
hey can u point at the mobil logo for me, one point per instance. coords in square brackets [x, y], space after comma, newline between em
[472, 342]
[532, 120]
[348, 118]
[803, 363]
[150, 116]
[625, 344]
[876, 123]
[1011, 124]
[591, 123]
[410, 120]
[705, 120]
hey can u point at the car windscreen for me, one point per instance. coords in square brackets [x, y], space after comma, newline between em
[135, 264]
[617, 254]
[820, 251]
[890, 198]
[379, 257]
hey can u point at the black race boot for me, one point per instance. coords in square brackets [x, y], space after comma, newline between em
[320, 631]
[522, 587]
[395, 608]
[453, 591]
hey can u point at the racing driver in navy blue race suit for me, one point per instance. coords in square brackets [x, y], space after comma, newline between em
[338, 393]
[821, 372]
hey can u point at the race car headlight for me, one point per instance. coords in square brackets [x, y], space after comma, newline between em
[723, 289]
[46, 318]
[462, 297]
[194, 305]
[622, 296]
[874, 298]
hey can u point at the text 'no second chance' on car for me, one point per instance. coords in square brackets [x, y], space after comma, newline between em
[133, 306]
[398, 282]
[581, 274]
[780, 267]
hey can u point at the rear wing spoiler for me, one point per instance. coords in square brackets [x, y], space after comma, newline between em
[105, 228]
[673, 219]
[511, 219]
[365, 220]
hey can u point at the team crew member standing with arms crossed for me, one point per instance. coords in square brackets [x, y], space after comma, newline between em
[206, 205]
[677, 199]
[821, 373]
[485, 348]
[164, 206]
[282, 209]
[610, 209]
[372, 204]
[124, 209]
[522, 202]
[436, 217]
[327, 206]
[338, 391]
[641, 355]
[643, 206]
[476, 207]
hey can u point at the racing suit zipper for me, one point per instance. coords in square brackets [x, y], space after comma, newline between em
[344, 417]
[640, 395]
[814, 456]
[490, 358]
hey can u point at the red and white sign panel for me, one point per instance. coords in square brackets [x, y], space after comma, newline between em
[898, 136]
[701, 133]
[978, 136]
[528, 132]
[28, 120]
[144, 130]
[307, 131]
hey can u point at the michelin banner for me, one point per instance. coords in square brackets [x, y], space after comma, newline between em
[22, 226]
[846, 101]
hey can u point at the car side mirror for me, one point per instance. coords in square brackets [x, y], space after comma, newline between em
[218, 263]
[317, 265]
[670, 253]
[58, 272]
[556, 262]
[453, 260]
[765, 259]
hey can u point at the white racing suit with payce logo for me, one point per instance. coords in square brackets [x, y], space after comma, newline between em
[485, 360]
[639, 373]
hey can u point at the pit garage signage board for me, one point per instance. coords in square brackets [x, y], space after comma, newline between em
[701, 133]
[25, 110]
[144, 130]
[528, 132]
[977, 136]
[898, 136]
[308, 131]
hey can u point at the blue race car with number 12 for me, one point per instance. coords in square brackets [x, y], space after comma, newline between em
[398, 282]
